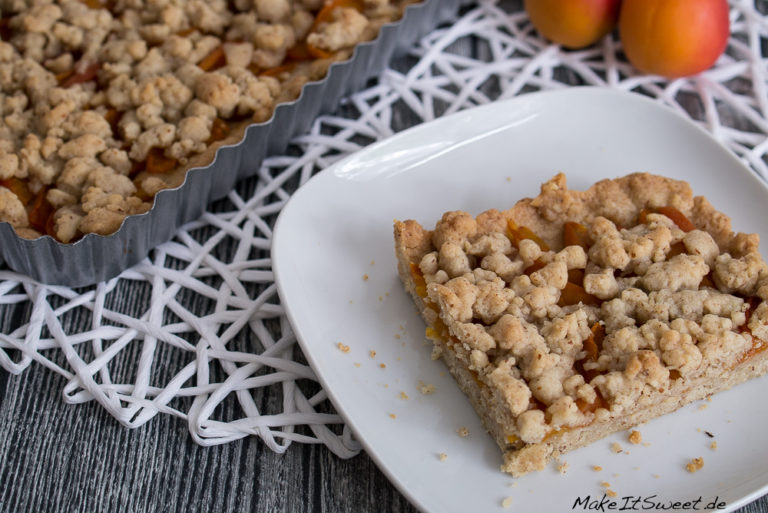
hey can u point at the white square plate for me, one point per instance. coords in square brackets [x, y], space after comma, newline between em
[336, 273]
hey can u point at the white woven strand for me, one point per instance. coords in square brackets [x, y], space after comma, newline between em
[234, 371]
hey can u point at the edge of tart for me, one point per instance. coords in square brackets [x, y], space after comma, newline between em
[106, 103]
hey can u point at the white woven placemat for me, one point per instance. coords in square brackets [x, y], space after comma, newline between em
[204, 346]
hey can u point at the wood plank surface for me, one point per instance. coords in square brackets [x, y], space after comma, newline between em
[56, 457]
[62, 458]
[3, 381]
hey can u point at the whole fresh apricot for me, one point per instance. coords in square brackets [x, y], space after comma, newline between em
[674, 38]
[573, 23]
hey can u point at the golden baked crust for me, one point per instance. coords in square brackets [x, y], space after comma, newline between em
[105, 103]
[579, 313]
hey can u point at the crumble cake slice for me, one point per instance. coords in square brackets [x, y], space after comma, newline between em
[576, 314]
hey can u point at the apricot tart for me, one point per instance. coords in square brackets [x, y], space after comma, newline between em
[576, 314]
[105, 103]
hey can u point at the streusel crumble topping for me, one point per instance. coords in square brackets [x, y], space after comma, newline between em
[103, 104]
[561, 323]
[568, 335]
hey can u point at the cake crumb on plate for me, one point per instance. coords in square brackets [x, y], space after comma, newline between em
[426, 389]
[695, 465]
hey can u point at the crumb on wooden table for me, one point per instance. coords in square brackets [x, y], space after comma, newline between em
[695, 465]
[635, 437]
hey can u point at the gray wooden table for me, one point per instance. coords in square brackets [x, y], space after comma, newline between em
[60, 458]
